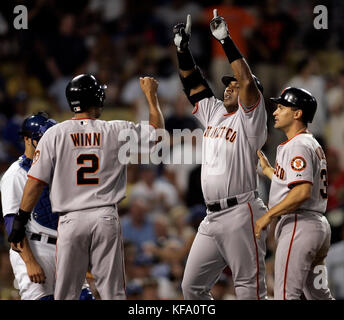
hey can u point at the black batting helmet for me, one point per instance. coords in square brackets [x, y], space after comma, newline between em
[36, 125]
[84, 91]
[298, 98]
[226, 80]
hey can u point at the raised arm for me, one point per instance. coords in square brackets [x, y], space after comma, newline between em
[149, 86]
[195, 86]
[248, 91]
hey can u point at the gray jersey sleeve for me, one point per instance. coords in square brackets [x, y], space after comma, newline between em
[205, 109]
[255, 122]
[299, 165]
[42, 163]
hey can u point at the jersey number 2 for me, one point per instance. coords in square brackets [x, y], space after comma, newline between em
[323, 176]
[80, 174]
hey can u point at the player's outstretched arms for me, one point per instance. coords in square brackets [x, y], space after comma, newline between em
[267, 169]
[195, 86]
[149, 86]
[248, 91]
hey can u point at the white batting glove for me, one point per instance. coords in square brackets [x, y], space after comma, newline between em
[182, 34]
[218, 27]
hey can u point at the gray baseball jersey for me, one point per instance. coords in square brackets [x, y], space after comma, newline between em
[226, 237]
[80, 160]
[303, 236]
[230, 143]
[300, 159]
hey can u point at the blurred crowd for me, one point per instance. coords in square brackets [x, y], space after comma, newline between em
[119, 41]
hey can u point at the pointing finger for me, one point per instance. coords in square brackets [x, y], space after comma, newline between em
[215, 13]
[188, 24]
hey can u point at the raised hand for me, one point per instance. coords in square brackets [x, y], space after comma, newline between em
[182, 34]
[149, 85]
[218, 27]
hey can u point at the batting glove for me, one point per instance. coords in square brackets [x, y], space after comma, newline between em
[218, 27]
[18, 229]
[182, 34]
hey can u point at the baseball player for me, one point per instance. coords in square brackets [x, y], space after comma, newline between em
[79, 159]
[34, 265]
[234, 129]
[298, 195]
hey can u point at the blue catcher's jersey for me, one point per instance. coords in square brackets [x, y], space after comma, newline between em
[42, 211]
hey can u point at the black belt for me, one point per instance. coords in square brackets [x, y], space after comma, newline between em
[38, 237]
[231, 202]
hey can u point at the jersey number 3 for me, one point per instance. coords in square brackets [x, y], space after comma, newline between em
[323, 176]
[82, 159]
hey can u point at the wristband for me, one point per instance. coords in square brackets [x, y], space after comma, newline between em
[231, 50]
[23, 215]
[185, 60]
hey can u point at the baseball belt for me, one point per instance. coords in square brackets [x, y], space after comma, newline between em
[38, 237]
[231, 202]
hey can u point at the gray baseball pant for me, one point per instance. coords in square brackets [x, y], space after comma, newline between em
[303, 241]
[227, 238]
[90, 240]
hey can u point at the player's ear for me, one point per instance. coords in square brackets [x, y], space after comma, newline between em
[298, 114]
[30, 143]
